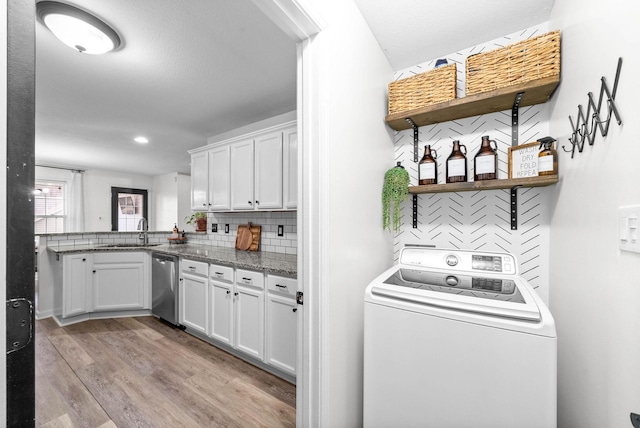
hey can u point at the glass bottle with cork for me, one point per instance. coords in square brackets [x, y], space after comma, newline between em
[428, 167]
[486, 161]
[457, 163]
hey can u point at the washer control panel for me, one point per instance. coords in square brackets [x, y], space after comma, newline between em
[459, 260]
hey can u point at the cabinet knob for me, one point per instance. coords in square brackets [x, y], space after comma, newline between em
[84, 260]
[228, 291]
[257, 202]
[94, 271]
[235, 294]
[249, 202]
[295, 309]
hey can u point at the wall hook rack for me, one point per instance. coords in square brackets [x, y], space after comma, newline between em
[587, 125]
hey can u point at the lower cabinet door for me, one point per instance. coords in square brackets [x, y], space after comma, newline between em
[194, 302]
[118, 286]
[281, 333]
[249, 321]
[221, 295]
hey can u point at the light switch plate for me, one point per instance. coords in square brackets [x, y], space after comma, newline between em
[629, 228]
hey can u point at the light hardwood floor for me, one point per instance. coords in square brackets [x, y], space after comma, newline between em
[140, 372]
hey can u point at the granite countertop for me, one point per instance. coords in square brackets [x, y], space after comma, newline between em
[276, 263]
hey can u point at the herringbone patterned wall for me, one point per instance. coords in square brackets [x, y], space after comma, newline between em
[480, 220]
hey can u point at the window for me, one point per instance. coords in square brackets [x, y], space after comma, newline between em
[128, 207]
[49, 208]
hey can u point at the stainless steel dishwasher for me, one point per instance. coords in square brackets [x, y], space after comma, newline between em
[164, 287]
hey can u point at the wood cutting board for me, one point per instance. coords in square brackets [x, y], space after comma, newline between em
[243, 237]
[248, 237]
[255, 237]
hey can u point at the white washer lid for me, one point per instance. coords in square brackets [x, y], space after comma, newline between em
[526, 310]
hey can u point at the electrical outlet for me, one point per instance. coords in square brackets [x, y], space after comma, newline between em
[226, 228]
[280, 230]
[214, 227]
[635, 420]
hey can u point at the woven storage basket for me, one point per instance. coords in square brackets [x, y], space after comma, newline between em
[423, 89]
[520, 62]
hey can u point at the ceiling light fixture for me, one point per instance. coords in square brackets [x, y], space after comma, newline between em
[142, 140]
[76, 28]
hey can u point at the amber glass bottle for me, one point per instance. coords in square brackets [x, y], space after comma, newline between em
[428, 167]
[457, 164]
[485, 163]
[548, 157]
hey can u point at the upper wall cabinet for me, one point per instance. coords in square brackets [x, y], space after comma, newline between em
[290, 171]
[210, 180]
[258, 171]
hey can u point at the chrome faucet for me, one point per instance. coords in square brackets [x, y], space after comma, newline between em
[144, 234]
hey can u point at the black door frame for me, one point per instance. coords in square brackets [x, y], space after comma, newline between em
[114, 204]
[20, 170]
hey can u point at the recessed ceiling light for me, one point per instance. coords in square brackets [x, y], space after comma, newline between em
[76, 28]
[142, 140]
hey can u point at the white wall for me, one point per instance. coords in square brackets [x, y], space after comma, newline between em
[595, 288]
[170, 203]
[97, 195]
[346, 153]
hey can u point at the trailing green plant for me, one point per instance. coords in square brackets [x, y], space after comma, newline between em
[394, 191]
[191, 219]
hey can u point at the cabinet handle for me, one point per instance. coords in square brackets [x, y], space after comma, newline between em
[295, 309]
[246, 279]
[219, 274]
[281, 286]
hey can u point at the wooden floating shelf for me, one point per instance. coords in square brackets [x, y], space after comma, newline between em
[535, 92]
[507, 183]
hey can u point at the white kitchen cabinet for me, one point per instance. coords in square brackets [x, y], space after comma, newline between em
[219, 179]
[249, 313]
[194, 302]
[255, 171]
[281, 323]
[242, 175]
[121, 281]
[199, 181]
[290, 168]
[268, 171]
[221, 293]
[76, 284]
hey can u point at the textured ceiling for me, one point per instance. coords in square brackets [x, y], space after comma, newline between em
[191, 69]
[414, 31]
[188, 70]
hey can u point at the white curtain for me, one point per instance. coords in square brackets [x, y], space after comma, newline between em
[76, 203]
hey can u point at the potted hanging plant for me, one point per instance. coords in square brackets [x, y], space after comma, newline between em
[394, 191]
[199, 219]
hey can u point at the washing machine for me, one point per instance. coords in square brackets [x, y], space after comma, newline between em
[457, 339]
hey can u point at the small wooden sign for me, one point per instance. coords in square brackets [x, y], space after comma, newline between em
[523, 160]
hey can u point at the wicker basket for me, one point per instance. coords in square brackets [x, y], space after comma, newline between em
[520, 62]
[423, 89]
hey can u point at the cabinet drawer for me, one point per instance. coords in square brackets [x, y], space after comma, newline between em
[282, 284]
[248, 277]
[221, 273]
[193, 267]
